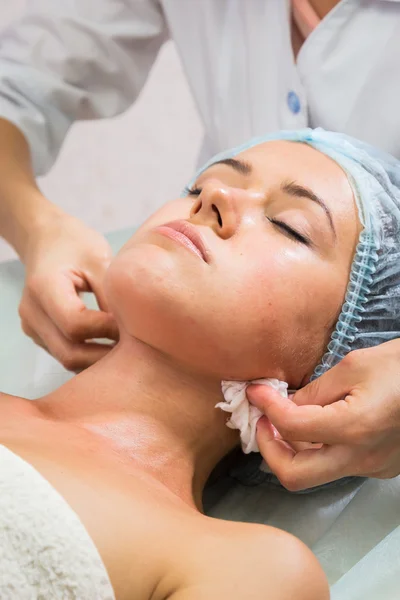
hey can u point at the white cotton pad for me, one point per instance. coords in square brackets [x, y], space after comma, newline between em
[244, 416]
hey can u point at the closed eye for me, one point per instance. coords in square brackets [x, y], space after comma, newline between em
[193, 191]
[295, 235]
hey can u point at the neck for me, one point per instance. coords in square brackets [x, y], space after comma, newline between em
[155, 415]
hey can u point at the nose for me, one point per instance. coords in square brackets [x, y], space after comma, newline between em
[220, 207]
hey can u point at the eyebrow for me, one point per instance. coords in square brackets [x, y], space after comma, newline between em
[241, 166]
[293, 188]
[300, 191]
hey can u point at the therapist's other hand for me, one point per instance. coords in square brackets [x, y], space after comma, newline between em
[62, 259]
[353, 410]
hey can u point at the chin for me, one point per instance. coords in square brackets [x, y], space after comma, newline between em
[139, 275]
[160, 298]
[150, 296]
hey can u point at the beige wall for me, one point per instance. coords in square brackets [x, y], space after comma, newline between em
[114, 173]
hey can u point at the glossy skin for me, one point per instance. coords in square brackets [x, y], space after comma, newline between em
[265, 304]
[62, 256]
[138, 430]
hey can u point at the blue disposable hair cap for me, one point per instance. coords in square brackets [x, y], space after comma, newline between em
[370, 314]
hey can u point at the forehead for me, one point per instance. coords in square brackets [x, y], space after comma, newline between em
[277, 161]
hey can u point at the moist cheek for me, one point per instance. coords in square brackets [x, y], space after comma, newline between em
[286, 310]
[255, 316]
[315, 318]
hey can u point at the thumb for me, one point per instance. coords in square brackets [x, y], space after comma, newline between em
[264, 396]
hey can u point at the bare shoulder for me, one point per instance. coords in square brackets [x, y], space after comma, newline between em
[241, 561]
[14, 411]
[15, 405]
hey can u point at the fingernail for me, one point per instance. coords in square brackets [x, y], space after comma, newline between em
[275, 432]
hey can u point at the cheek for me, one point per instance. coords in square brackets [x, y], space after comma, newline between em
[140, 286]
[249, 315]
[140, 273]
[280, 306]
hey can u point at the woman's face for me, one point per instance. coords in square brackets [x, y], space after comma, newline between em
[258, 294]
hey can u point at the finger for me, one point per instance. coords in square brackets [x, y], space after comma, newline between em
[333, 385]
[297, 446]
[261, 395]
[304, 469]
[81, 356]
[300, 446]
[32, 334]
[95, 279]
[97, 287]
[331, 424]
[68, 312]
[72, 356]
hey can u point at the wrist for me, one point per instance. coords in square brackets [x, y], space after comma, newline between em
[44, 218]
[31, 216]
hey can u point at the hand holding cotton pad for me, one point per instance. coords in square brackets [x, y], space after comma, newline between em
[244, 416]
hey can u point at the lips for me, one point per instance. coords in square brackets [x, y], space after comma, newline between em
[187, 235]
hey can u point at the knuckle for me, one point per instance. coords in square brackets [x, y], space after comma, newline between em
[67, 358]
[290, 481]
[353, 359]
[71, 328]
[106, 257]
[25, 328]
[69, 363]
[33, 284]
[22, 311]
[102, 256]
[359, 360]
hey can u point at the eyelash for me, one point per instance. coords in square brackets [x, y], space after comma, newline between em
[193, 191]
[295, 235]
[298, 237]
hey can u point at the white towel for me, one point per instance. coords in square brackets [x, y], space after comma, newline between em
[244, 416]
[45, 551]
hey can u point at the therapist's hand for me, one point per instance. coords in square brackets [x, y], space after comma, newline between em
[62, 259]
[353, 410]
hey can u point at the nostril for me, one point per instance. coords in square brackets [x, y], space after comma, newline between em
[196, 207]
[215, 209]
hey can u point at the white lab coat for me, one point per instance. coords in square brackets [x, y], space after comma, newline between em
[85, 59]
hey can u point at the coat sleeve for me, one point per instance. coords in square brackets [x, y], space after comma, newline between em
[73, 60]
